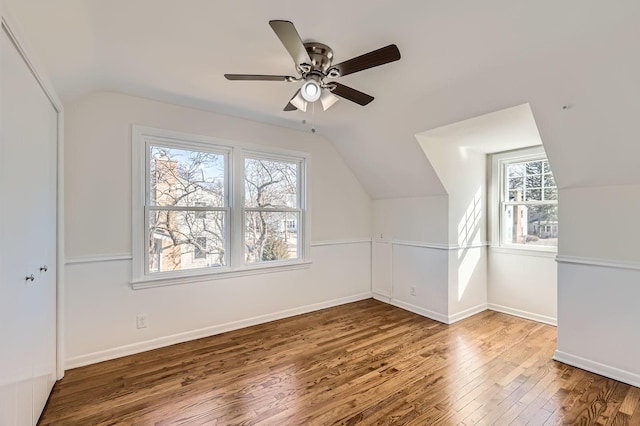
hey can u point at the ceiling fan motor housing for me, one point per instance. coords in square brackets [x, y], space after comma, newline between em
[321, 56]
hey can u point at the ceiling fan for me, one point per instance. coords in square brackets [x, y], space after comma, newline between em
[314, 64]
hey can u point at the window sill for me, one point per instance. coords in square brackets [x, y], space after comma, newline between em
[526, 251]
[159, 281]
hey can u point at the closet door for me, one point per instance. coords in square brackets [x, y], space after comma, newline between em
[28, 123]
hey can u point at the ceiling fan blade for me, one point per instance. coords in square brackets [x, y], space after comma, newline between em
[351, 94]
[288, 35]
[382, 56]
[259, 77]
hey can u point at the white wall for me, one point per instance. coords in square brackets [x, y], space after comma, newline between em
[467, 282]
[598, 319]
[421, 219]
[523, 285]
[599, 281]
[463, 174]
[410, 249]
[466, 183]
[427, 276]
[429, 253]
[420, 280]
[382, 269]
[601, 222]
[101, 306]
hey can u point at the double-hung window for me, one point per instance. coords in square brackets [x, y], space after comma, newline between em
[528, 200]
[203, 206]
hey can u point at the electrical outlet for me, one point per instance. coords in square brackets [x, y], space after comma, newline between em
[141, 321]
[413, 290]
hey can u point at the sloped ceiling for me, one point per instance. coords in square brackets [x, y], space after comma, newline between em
[460, 59]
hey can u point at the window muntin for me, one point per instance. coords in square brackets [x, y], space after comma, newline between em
[528, 203]
[189, 217]
[530, 181]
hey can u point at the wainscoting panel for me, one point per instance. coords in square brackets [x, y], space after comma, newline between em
[420, 280]
[101, 306]
[598, 319]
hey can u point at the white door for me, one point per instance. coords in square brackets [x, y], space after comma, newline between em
[28, 127]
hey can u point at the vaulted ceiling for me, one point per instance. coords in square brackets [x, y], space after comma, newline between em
[576, 62]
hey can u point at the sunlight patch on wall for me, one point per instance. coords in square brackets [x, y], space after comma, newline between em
[470, 223]
[468, 232]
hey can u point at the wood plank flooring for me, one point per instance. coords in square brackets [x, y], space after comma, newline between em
[360, 363]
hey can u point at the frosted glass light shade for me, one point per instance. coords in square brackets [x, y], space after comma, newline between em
[327, 99]
[299, 102]
[311, 91]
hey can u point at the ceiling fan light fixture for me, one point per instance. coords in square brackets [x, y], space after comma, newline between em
[327, 99]
[311, 91]
[299, 102]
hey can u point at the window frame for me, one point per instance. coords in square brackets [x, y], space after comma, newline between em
[497, 201]
[235, 154]
[149, 207]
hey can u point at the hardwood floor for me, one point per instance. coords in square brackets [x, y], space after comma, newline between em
[361, 363]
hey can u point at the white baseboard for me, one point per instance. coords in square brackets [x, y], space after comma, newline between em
[418, 310]
[147, 345]
[523, 314]
[382, 296]
[467, 313]
[598, 368]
